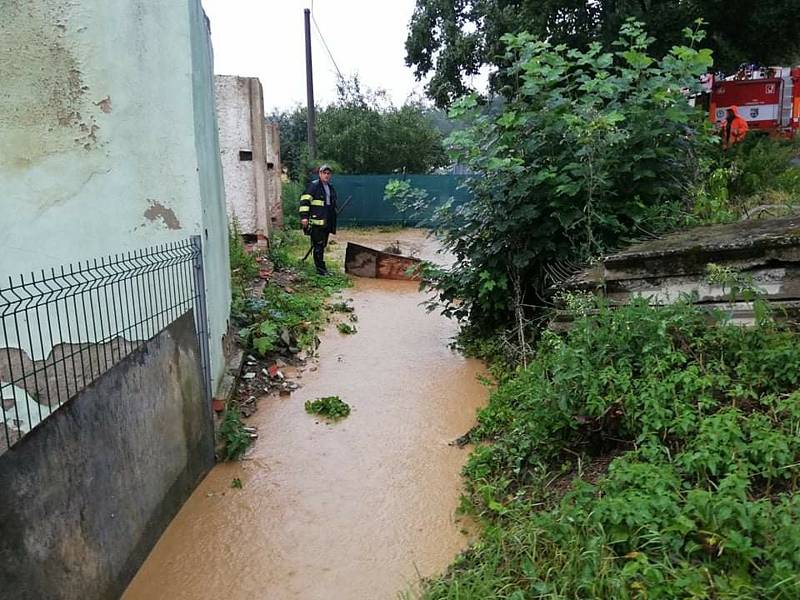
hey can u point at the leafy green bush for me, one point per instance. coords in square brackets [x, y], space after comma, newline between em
[330, 407]
[675, 437]
[761, 163]
[591, 150]
[300, 313]
[283, 247]
[712, 202]
[244, 266]
[362, 132]
[407, 199]
[366, 133]
[235, 439]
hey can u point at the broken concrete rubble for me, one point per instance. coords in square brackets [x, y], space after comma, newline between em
[666, 269]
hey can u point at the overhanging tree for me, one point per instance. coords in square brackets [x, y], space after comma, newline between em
[592, 149]
[450, 41]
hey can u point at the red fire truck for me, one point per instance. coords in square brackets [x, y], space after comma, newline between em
[769, 98]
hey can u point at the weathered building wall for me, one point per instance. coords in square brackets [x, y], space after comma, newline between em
[210, 190]
[108, 137]
[240, 109]
[86, 495]
[274, 173]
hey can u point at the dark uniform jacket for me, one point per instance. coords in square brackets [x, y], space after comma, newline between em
[312, 207]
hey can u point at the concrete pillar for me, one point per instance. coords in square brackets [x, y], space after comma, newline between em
[240, 109]
[274, 173]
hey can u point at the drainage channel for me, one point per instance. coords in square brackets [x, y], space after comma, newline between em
[358, 509]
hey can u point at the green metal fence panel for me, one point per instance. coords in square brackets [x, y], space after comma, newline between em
[368, 207]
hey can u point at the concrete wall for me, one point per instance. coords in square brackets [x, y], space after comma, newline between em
[108, 137]
[274, 173]
[211, 190]
[240, 109]
[86, 495]
[675, 267]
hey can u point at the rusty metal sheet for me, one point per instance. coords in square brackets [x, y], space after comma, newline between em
[368, 262]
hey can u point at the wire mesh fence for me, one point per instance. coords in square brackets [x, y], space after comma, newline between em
[63, 328]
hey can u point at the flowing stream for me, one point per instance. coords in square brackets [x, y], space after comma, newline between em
[359, 509]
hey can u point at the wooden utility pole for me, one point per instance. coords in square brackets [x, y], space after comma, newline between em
[312, 114]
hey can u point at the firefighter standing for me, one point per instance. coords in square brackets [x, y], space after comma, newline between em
[734, 127]
[318, 215]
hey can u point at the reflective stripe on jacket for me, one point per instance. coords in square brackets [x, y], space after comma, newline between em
[312, 206]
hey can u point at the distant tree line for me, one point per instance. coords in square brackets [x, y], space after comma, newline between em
[363, 132]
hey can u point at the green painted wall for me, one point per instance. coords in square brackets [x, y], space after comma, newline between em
[211, 187]
[108, 137]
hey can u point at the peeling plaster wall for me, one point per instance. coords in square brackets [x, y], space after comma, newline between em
[240, 110]
[211, 192]
[108, 137]
[235, 136]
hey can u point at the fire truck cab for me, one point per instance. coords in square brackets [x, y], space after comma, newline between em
[768, 98]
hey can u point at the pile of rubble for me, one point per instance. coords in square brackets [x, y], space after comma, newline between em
[765, 252]
[262, 377]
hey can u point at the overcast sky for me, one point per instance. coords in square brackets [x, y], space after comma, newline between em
[264, 39]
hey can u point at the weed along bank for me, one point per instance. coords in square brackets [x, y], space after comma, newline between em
[115, 293]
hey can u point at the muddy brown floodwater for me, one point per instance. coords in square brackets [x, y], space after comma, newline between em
[360, 509]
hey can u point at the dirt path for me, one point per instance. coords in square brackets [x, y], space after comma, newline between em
[356, 510]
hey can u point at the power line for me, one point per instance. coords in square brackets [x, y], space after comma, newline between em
[324, 43]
